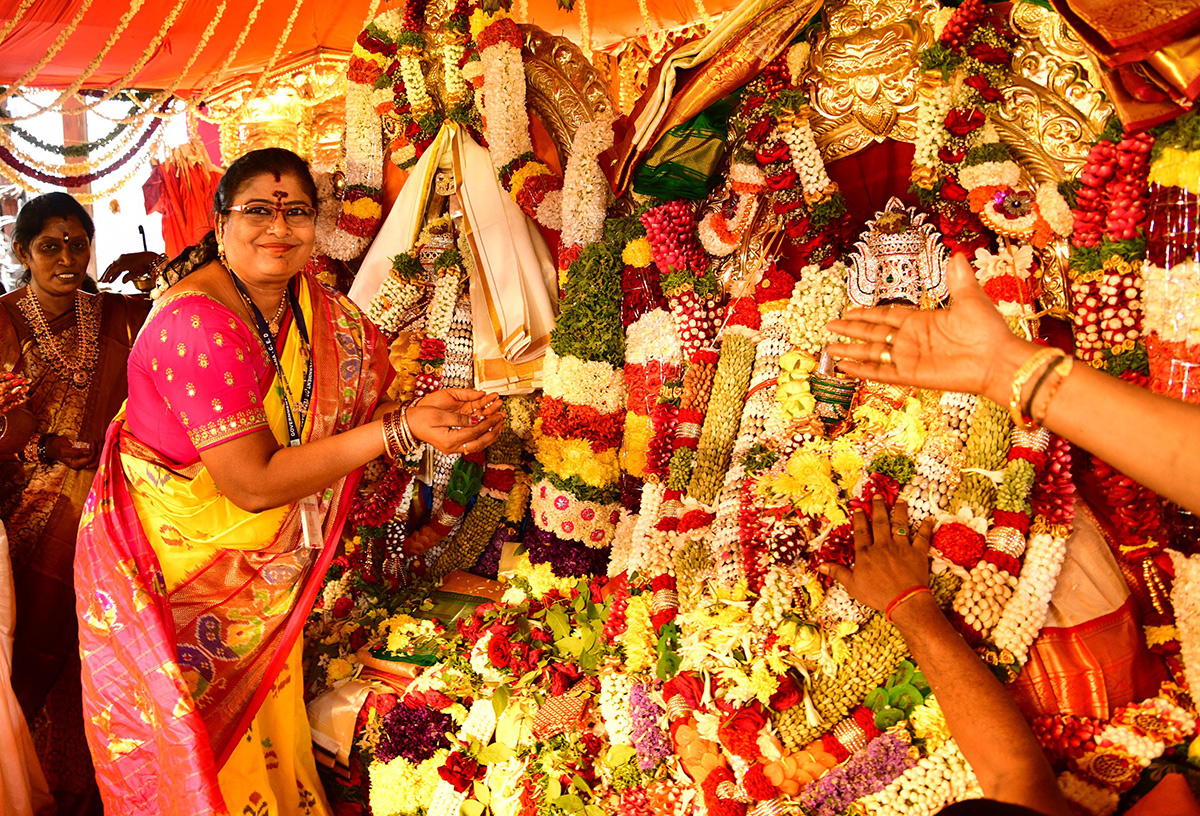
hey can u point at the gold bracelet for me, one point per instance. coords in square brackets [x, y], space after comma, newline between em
[1021, 379]
[1062, 370]
[406, 431]
[391, 445]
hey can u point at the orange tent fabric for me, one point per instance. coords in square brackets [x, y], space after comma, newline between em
[331, 24]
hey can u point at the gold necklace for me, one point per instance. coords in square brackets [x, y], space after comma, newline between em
[76, 370]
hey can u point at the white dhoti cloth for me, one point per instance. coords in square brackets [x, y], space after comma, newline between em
[514, 294]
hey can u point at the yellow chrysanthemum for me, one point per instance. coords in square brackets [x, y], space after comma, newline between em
[639, 637]
[1177, 168]
[399, 787]
[339, 669]
[929, 724]
[637, 253]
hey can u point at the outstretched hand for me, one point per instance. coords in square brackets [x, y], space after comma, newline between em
[132, 266]
[889, 557]
[959, 348]
[457, 420]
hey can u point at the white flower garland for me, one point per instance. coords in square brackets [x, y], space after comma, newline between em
[819, 296]
[930, 115]
[1185, 599]
[364, 162]
[585, 187]
[797, 134]
[615, 687]
[584, 382]
[937, 780]
[639, 544]
[1087, 797]
[505, 118]
[1025, 612]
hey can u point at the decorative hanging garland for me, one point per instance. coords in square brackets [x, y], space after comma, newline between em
[72, 151]
[86, 178]
[55, 47]
[122, 83]
[16, 17]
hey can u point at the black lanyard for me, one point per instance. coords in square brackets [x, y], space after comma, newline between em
[268, 341]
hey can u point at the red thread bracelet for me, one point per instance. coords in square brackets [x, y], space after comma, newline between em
[902, 597]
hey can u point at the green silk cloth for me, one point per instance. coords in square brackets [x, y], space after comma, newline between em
[684, 162]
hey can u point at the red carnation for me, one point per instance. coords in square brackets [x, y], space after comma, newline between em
[960, 122]
[739, 733]
[757, 785]
[342, 606]
[359, 638]
[960, 544]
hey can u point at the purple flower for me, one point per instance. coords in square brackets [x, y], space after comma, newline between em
[568, 559]
[413, 733]
[488, 565]
[649, 740]
[867, 772]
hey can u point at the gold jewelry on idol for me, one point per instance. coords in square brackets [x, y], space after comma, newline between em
[74, 368]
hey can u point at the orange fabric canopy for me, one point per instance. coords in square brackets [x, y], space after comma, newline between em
[331, 24]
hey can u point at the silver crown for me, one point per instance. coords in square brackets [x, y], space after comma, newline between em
[899, 257]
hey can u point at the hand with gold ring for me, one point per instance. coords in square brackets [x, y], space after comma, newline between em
[886, 562]
[457, 420]
[966, 347]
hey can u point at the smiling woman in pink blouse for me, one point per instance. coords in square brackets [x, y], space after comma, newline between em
[255, 400]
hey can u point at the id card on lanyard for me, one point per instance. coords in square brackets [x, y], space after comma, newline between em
[310, 511]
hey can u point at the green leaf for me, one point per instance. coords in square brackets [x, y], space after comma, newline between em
[482, 793]
[570, 645]
[500, 700]
[578, 784]
[557, 620]
[496, 752]
[508, 728]
[570, 803]
[618, 755]
[553, 789]
[594, 810]
[473, 807]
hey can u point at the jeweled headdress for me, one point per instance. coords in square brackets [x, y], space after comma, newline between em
[899, 257]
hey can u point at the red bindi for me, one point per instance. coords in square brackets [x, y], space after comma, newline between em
[278, 178]
[280, 195]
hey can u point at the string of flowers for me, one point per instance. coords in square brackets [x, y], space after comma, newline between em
[17, 15]
[530, 182]
[961, 169]
[1118, 751]
[362, 196]
[55, 47]
[577, 435]
[73, 151]
[771, 294]
[89, 164]
[84, 178]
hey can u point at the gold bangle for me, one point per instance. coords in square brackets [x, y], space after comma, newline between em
[1021, 379]
[406, 431]
[387, 442]
[31, 453]
[1061, 370]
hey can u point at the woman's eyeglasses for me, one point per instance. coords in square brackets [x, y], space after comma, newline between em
[260, 215]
